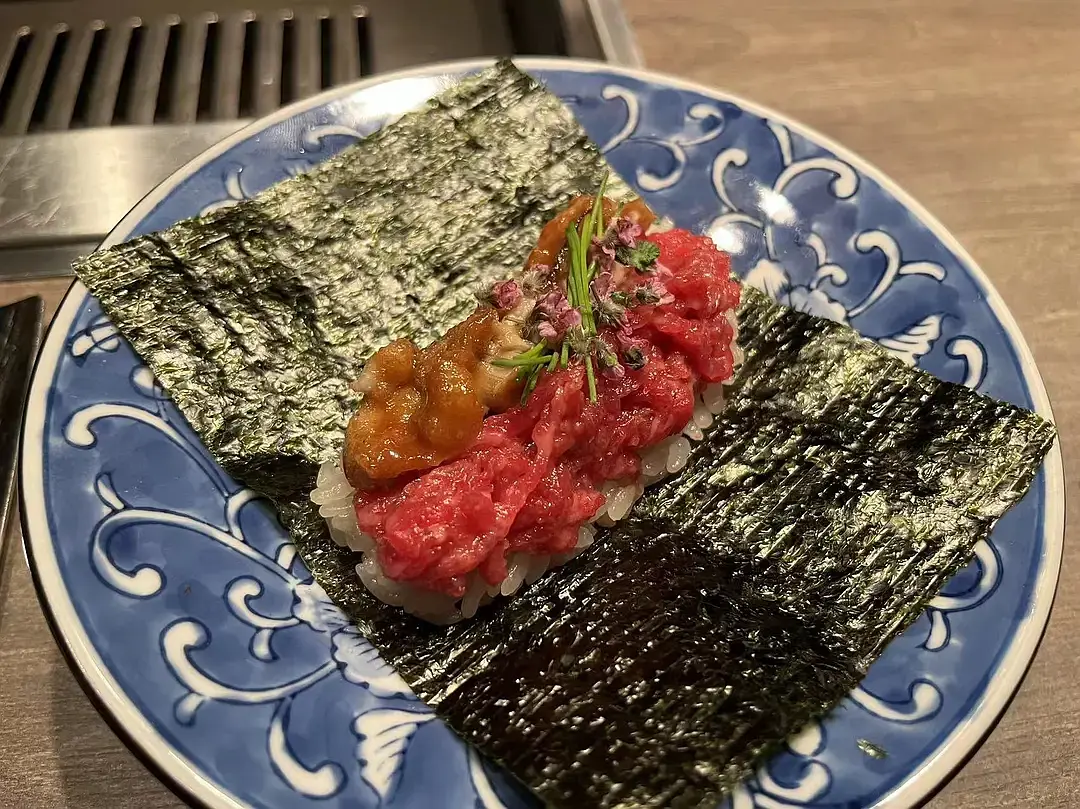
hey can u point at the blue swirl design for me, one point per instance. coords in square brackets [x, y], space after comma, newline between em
[196, 601]
[350, 655]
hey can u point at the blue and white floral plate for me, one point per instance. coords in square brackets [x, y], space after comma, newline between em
[200, 634]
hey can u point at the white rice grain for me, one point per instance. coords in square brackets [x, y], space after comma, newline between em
[620, 502]
[516, 571]
[471, 602]
[654, 460]
[323, 496]
[680, 454]
[713, 398]
[702, 417]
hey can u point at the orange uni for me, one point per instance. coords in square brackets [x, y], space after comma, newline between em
[423, 406]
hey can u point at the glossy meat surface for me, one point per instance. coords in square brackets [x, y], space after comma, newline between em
[532, 477]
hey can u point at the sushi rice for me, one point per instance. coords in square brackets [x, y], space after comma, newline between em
[334, 496]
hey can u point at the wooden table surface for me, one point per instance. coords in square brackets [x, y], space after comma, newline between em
[974, 108]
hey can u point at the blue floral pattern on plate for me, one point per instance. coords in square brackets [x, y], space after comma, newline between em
[182, 599]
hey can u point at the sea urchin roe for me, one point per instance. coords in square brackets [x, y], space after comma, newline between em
[421, 407]
[637, 211]
[553, 237]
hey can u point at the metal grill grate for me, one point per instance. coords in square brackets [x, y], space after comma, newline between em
[100, 100]
[74, 71]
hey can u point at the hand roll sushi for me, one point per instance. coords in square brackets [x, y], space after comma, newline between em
[822, 511]
[476, 463]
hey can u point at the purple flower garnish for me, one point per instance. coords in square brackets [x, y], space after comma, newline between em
[628, 232]
[609, 360]
[626, 340]
[557, 315]
[553, 304]
[506, 295]
[608, 310]
[602, 251]
[658, 291]
[570, 319]
[603, 284]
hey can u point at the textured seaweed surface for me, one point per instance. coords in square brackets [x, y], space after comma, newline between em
[748, 595]
[257, 317]
[743, 598]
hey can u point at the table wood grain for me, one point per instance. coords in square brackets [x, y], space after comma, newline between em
[974, 108]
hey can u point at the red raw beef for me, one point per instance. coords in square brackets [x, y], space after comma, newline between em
[532, 477]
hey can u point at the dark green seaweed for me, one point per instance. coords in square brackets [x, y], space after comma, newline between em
[745, 597]
[742, 599]
[257, 317]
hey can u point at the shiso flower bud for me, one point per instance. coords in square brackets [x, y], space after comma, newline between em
[646, 295]
[657, 288]
[622, 234]
[537, 279]
[627, 231]
[577, 339]
[603, 285]
[609, 313]
[505, 295]
[557, 316]
[629, 344]
[608, 304]
[609, 359]
[602, 251]
[651, 293]
[634, 358]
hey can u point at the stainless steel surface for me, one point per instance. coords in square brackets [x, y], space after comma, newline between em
[102, 85]
[38, 50]
[113, 62]
[66, 90]
[617, 40]
[101, 100]
[73, 63]
[65, 187]
[20, 331]
[229, 56]
[42, 261]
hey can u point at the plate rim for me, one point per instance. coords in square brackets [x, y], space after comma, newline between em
[186, 780]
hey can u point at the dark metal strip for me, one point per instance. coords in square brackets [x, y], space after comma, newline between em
[20, 334]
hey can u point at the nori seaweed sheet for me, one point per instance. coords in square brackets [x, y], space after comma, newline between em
[828, 504]
[741, 599]
[257, 317]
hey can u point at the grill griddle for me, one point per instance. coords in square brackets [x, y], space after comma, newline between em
[100, 100]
